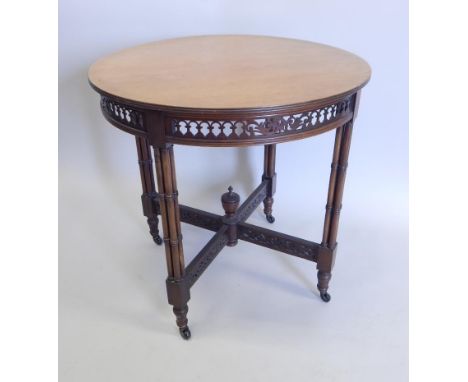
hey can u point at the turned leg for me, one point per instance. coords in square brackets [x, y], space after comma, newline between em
[177, 290]
[333, 208]
[269, 174]
[149, 196]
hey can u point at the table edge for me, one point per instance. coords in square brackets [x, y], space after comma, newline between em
[259, 111]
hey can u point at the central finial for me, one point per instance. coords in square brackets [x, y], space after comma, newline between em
[230, 201]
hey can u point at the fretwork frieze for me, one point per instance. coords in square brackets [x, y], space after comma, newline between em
[122, 114]
[258, 127]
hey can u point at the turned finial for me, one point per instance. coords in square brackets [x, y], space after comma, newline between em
[230, 201]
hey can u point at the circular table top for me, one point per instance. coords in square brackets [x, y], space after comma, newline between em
[229, 72]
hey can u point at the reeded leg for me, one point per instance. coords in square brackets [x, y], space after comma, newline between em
[269, 173]
[149, 190]
[177, 290]
[333, 208]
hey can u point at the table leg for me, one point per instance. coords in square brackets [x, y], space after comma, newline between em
[333, 208]
[177, 289]
[269, 173]
[149, 190]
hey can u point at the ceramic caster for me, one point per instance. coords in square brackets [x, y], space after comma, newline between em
[325, 297]
[158, 240]
[270, 219]
[185, 333]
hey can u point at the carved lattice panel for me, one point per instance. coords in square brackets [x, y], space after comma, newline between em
[257, 127]
[122, 113]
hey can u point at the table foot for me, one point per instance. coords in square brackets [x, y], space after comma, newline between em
[267, 210]
[185, 333]
[322, 285]
[154, 231]
[157, 239]
[325, 297]
[182, 322]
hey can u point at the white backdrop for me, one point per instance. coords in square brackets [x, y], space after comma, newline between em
[105, 250]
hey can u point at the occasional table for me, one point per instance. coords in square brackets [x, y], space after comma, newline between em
[230, 91]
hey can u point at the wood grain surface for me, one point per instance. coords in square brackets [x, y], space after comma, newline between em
[229, 72]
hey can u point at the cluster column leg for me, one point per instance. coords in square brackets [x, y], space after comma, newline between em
[333, 207]
[149, 194]
[177, 289]
[269, 174]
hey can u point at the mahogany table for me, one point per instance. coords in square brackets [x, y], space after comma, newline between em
[230, 91]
